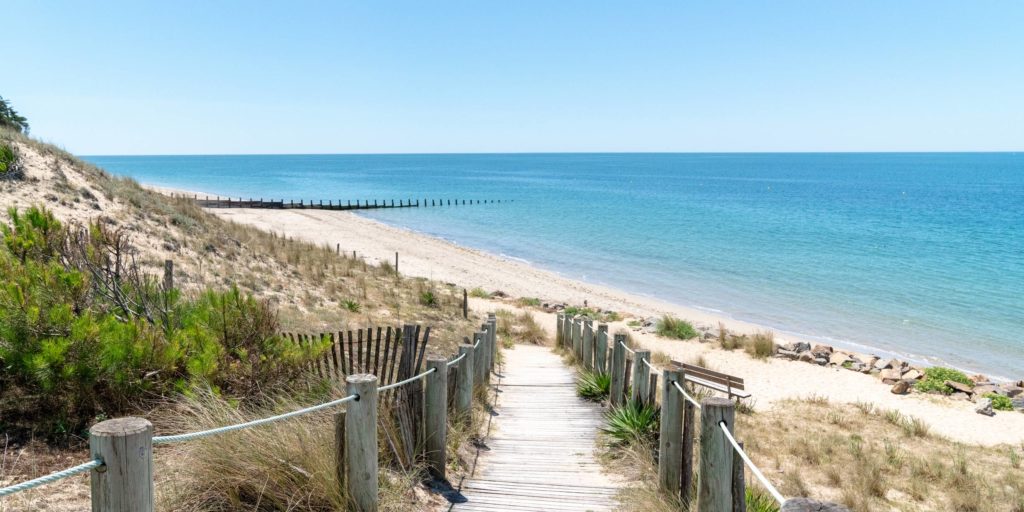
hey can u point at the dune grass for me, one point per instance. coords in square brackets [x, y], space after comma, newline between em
[672, 327]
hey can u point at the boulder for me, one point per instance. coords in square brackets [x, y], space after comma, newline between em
[821, 361]
[870, 360]
[963, 388]
[985, 407]
[912, 374]
[801, 346]
[979, 379]
[986, 389]
[882, 364]
[806, 356]
[961, 396]
[838, 358]
[1011, 390]
[901, 387]
[867, 369]
[854, 366]
[786, 354]
[1017, 403]
[824, 351]
[890, 376]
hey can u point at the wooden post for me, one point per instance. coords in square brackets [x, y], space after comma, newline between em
[577, 341]
[485, 346]
[339, 449]
[689, 411]
[567, 332]
[652, 388]
[125, 481]
[480, 362]
[670, 440]
[492, 331]
[396, 263]
[436, 421]
[588, 343]
[739, 490]
[640, 376]
[464, 383]
[559, 318]
[168, 275]
[601, 349]
[465, 303]
[337, 249]
[618, 386]
[716, 455]
[361, 442]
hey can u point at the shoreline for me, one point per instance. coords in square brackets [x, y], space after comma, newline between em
[772, 381]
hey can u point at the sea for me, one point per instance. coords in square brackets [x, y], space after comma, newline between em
[918, 255]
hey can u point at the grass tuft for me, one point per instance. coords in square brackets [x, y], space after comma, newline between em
[672, 327]
[593, 385]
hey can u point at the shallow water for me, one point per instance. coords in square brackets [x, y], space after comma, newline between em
[917, 254]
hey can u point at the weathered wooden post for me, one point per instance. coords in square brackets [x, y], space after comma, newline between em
[168, 275]
[396, 263]
[361, 441]
[464, 383]
[567, 333]
[124, 483]
[339, 449]
[618, 386]
[716, 455]
[601, 349]
[485, 345]
[739, 486]
[465, 303]
[588, 343]
[577, 341]
[480, 362]
[436, 417]
[559, 318]
[641, 381]
[670, 440]
[492, 322]
[689, 411]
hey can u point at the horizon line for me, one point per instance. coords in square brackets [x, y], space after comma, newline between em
[452, 153]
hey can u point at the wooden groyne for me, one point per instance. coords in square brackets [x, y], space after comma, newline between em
[331, 204]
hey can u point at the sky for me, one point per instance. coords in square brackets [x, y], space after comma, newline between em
[227, 77]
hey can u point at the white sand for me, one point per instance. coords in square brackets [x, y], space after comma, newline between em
[769, 382]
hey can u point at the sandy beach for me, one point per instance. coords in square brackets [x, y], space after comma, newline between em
[769, 381]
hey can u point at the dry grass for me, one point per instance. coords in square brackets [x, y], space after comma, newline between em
[870, 459]
[519, 328]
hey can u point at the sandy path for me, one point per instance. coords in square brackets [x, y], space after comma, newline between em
[769, 381]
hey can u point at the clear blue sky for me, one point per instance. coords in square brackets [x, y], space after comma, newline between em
[338, 77]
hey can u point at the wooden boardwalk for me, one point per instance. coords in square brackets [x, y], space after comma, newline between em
[540, 453]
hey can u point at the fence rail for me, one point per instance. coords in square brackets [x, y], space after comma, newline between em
[722, 457]
[122, 446]
[331, 204]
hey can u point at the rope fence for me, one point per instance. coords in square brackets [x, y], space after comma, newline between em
[753, 468]
[406, 381]
[686, 395]
[455, 361]
[52, 477]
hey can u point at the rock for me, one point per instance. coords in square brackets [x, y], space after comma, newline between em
[806, 356]
[870, 361]
[838, 358]
[912, 374]
[1017, 403]
[890, 376]
[786, 354]
[854, 366]
[822, 351]
[961, 396]
[986, 389]
[867, 369]
[978, 378]
[882, 364]
[901, 387]
[801, 346]
[1011, 390]
[499, 294]
[985, 407]
[809, 505]
[963, 388]
[821, 361]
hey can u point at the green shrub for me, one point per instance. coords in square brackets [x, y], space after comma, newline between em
[632, 423]
[529, 302]
[672, 327]
[760, 501]
[9, 166]
[935, 378]
[479, 293]
[428, 298]
[593, 385]
[352, 306]
[1000, 402]
[761, 345]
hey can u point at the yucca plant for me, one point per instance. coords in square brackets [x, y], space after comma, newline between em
[760, 501]
[633, 423]
[593, 385]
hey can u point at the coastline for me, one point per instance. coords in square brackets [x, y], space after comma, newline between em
[771, 382]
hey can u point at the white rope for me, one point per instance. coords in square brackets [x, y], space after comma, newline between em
[52, 477]
[685, 395]
[455, 361]
[631, 351]
[406, 381]
[653, 369]
[220, 430]
[477, 344]
[757, 472]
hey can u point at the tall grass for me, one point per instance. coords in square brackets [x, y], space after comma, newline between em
[672, 327]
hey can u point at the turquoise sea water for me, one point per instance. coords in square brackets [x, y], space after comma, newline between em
[915, 254]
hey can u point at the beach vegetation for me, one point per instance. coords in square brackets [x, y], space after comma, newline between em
[634, 323]
[761, 345]
[632, 423]
[428, 298]
[479, 293]
[528, 302]
[593, 385]
[935, 378]
[1000, 402]
[10, 119]
[10, 167]
[672, 327]
[352, 306]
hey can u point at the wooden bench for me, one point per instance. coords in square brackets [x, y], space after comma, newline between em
[732, 386]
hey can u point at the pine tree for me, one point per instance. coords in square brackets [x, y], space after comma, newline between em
[9, 118]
